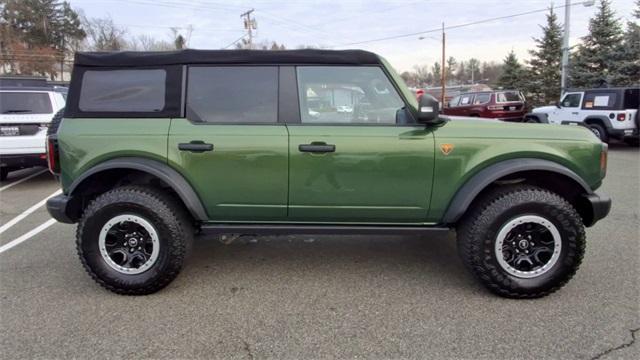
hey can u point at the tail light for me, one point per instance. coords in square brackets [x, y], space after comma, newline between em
[622, 116]
[603, 159]
[53, 158]
[495, 107]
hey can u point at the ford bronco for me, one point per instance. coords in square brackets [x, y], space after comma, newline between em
[157, 147]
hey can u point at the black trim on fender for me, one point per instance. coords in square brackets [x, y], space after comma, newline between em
[600, 207]
[280, 229]
[57, 208]
[468, 192]
[158, 169]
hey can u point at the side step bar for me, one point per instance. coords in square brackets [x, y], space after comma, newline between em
[281, 229]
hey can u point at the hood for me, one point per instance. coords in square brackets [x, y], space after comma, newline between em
[493, 129]
[544, 109]
[25, 118]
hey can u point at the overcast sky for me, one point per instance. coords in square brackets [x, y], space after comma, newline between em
[337, 24]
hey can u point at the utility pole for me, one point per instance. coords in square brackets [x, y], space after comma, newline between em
[249, 25]
[444, 68]
[565, 42]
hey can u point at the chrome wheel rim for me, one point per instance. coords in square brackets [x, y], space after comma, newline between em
[129, 244]
[528, 246]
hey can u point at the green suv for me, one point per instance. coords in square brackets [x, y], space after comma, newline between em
[156, 147]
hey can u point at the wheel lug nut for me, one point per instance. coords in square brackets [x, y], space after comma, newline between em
[139, 248]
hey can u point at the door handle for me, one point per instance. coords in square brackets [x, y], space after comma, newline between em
[196, 146]
[317, 147]
[574, 113]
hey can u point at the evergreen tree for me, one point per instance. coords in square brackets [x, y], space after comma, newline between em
[461, 74]
[437, 73]
[628, 69]
[451, 68]
[511, 77]
[596, 60]
[544, 71]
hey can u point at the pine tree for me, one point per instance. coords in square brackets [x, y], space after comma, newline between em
[596, 61]
[451, 68]
[511, 77]
[461, 74]
[437, 73]
[544, 71]
[628, 69]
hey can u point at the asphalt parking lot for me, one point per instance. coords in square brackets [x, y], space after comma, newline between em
[316, 297]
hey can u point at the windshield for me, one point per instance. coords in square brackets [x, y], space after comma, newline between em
[507, 96]
[25, 103]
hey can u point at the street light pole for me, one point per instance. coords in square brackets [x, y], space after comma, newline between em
[565, 42]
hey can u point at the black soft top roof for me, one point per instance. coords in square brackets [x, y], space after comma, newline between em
[190, 56]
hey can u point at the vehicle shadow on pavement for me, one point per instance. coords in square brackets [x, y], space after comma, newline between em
[333, 261]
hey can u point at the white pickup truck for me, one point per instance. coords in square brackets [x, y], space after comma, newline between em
[608, 112]
[25, 115]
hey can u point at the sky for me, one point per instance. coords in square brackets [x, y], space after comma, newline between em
[348, 24]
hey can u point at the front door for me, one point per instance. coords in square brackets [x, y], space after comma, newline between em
[569, 110]
[355, 156]
[230, 146]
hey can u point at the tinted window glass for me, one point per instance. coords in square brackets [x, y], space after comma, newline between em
[239, 94]
[600, 100]
[347, 94]
[25, 103]
[454, 102]
[507, 96]
[465, 100]
[123, 91]
[571, 100]
[481, 99]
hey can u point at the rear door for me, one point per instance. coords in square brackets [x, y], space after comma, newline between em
[230, 145]
[371, 164]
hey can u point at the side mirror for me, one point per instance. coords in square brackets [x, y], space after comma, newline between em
[557, 104]
[428, 109]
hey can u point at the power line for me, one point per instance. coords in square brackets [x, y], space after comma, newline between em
[455, 26]
[235, 41]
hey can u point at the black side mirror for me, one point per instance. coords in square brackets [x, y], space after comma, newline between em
[558, 104]
[428, 109]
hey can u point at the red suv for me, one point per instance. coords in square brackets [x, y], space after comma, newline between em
[507, 105]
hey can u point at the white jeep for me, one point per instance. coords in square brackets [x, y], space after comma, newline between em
[25, 115]
[608, 112]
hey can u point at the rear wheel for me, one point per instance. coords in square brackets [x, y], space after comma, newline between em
[522, 241]
[4, 172]
[133, 240]
[600, 132]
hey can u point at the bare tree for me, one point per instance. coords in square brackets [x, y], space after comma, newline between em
[104, 35]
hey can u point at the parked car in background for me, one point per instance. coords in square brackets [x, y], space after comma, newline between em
[25, 114]
[507, 105]
[608, 112]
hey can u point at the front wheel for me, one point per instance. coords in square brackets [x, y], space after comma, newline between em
[522, 241]
[133, 240]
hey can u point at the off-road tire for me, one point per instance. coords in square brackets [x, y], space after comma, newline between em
[167, 216]
[599, 131]
[478, 230]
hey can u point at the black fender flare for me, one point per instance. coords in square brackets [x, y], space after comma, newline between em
[542, 117]
[160, 170]
[470, 190]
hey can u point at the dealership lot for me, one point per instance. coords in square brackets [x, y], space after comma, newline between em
[316, 297]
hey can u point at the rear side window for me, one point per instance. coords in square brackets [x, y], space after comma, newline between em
[465, 100]
[600, 100]
[25, 103]
[481, 99]
[129, 91]
[240, 94]
[508, 96]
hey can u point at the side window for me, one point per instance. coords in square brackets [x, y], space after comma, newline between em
[465, 100]
[454, 102]
[347, 94]
[240, 94]
[139, 90]
[600, 100]
[571, 100]
[481, 99]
